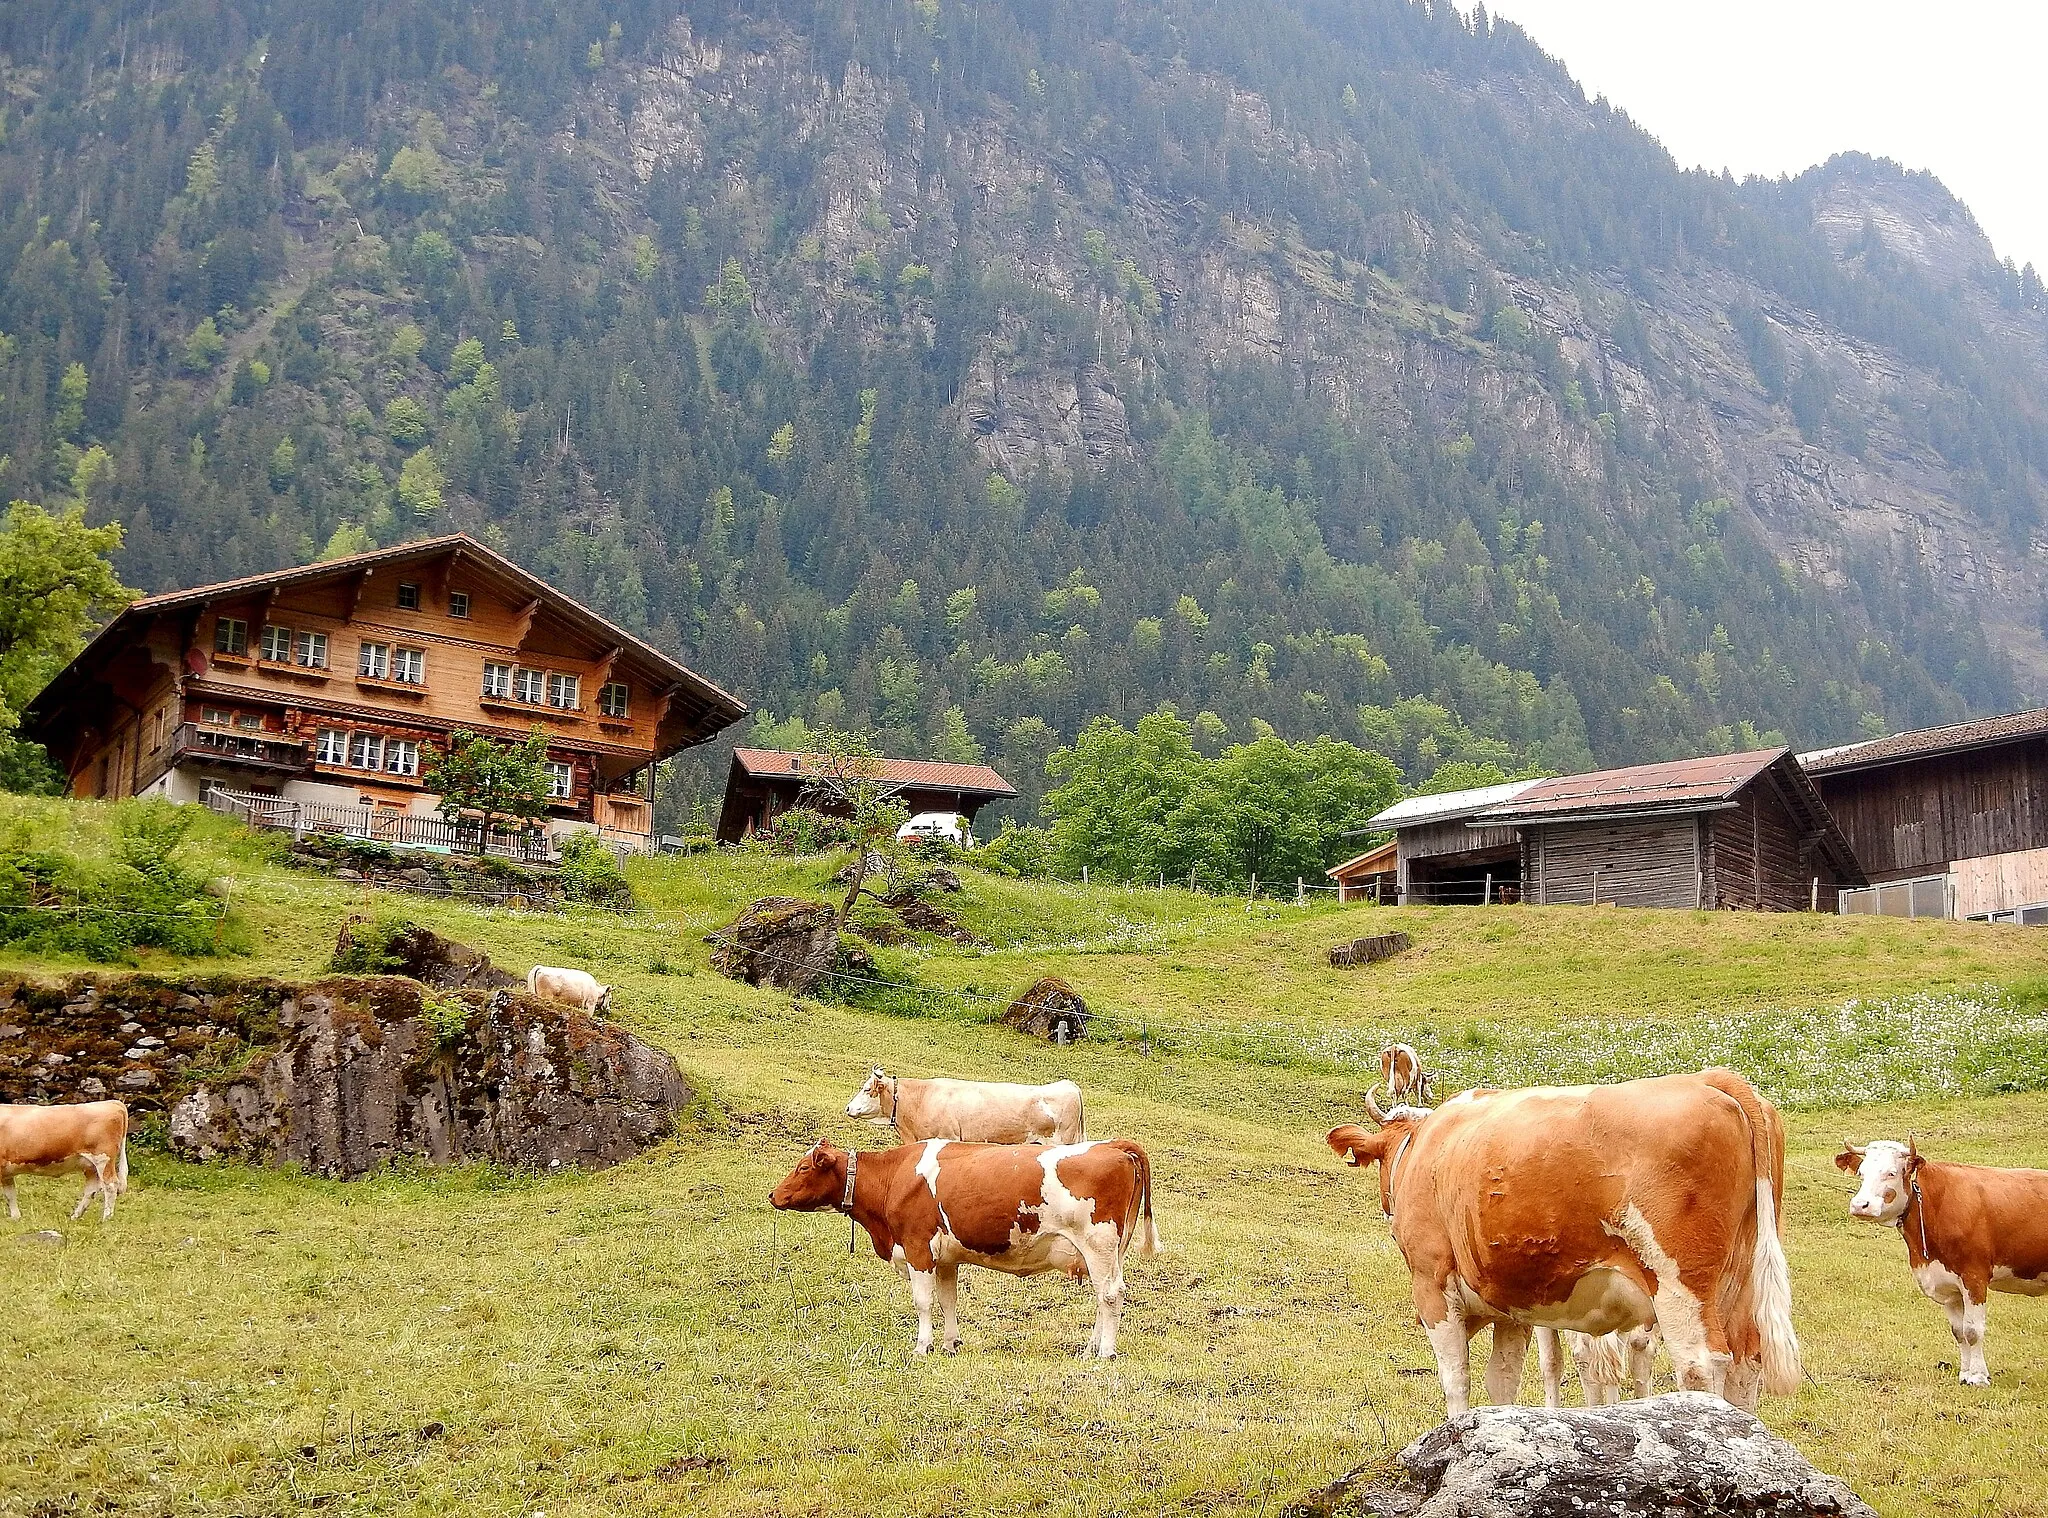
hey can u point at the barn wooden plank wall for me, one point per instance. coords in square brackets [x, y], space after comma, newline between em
[1916, 816]
[1999, 884]
[1630, 863]
[1433, 840]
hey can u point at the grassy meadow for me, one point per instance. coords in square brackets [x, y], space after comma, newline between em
[656, 1338]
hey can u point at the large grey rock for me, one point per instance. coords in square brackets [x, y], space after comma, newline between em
[1683, 1455]
[364, 1070]
[780, 941]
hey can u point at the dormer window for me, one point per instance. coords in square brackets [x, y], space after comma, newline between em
[563, 692]
[615, 699]
[408, 596]
[276, 644]
[231, 636]
[458, 603]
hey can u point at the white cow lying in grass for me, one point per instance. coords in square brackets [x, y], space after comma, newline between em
[569, 988]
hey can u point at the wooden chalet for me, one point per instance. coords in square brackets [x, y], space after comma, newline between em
[323, 691]
[1733, 830]
[1439, 859]
[1946, 820]
[764, 783]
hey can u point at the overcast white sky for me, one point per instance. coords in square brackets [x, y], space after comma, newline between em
[1775, 86]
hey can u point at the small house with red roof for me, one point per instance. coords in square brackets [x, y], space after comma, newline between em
[764, 783]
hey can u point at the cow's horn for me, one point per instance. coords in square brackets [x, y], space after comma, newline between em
[1851, 1147]
[1373, 1108]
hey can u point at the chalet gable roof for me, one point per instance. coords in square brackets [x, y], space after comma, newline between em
[1927, 743]
[919, 774]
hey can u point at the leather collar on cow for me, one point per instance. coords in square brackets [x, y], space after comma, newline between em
[895, 1104]
[1917, 1203]
[852, 1168]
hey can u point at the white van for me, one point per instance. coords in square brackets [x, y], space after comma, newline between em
[937, 827]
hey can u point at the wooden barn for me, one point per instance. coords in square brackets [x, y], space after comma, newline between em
[764, 783]
[1734, 831]
[1441, 860]
[1946, 820]
[1372, 876]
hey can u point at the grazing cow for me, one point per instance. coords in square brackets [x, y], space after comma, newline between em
[983, 1112]
[1593, 1208]
[1969, 1230]
[91, 1137]
[1402, 1074]
[1023, 1209]
[569, 988]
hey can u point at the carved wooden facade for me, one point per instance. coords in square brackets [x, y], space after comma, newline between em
[336, 682]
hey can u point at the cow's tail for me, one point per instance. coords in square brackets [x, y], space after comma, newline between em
[121, 1172]
[1081, 1115]
[1142, 1233]
[1770, 1279]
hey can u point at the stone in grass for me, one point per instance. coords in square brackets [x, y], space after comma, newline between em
[1685, 1453]
[1050, 1009]
[780, 941]
[45, 1236]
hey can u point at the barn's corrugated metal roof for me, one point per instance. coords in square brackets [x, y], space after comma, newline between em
[1926, 742]
[1678, 785]
[926, 774]
[1447, 806]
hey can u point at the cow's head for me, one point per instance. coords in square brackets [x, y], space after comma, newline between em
[818, 1182]
[1885, 1167]
[604, 1000]
[1364, 1146]
[867, 1102]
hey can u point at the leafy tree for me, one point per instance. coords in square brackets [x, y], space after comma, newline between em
[483, 783]
[844, 777]
[56, 584]
[420, 483]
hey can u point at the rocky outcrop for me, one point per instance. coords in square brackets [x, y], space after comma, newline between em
[1050, 1009]
[780, 941]
[365, 1071]
[343, 1074]
[1684, 1453]
[482, 878]
[366, 947]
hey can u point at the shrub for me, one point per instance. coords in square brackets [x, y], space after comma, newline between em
[805, 830]
[145, 896]
[1023, 853]
[591, 873]
[365, 947]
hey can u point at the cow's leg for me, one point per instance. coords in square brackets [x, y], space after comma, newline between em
[1642, 1358]
[923, 1287]
[95, 1182]
[1452, 1341]
[949, 1307]
[1106, 1275]
[1504, 1365]
[1966, 1321]
[13, 1207]
[1550, 1359]
[109, 1186]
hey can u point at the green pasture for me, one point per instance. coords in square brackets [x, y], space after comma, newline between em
[655, 1338]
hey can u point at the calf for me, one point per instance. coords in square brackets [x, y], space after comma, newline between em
[1970, 1230]
[1023, 1209]
[984, 1112]
[91, 1136]
[1607, 1362]
[569, 988]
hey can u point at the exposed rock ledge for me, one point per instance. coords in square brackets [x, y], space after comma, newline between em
[1677, 1456]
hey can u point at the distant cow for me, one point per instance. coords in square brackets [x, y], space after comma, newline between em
[1969, 1230]
[1023, 1209]
[1594, 1208]
[983, 1112]
[1402, 1074]
[91, 1137]
[1607, 1363]
[568, 988]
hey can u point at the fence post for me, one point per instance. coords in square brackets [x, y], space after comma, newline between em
[1191, 877]
[1486, 891]
[1255, 886]
[1084, 874]
[1300, 893]
[1813, 905]
[1596, 885]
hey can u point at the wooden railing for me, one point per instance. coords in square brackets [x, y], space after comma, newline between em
[235, 747]
[402, 830]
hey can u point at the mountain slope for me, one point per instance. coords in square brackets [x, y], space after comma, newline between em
[970, 369]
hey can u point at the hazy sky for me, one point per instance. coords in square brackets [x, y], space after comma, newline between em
[1776, 86]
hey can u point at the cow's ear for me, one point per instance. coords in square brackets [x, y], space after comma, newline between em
[1358, 1146]
[1914, 1158]
[1849, 1159]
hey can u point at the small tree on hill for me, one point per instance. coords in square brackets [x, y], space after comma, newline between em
[483, 783]
[846, 777]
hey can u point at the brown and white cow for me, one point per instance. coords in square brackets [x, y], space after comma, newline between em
[1595, 1209]
[1023, 1209]
[91, 1137]
[1607, 1363]
[983, 1112]
[1402, 1074]
[569, 988]
[1970, 1230]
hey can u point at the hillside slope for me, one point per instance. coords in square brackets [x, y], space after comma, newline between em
[972, 369]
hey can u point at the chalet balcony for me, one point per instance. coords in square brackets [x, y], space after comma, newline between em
[250, 751]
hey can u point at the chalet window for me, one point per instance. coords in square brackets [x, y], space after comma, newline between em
[458, 603]
[214, 716]
[498, 681]
[527, 686]
[230, 636]
[615, 699]
[248, 722]
[330, 747]
[312, 650]
[365, 751]
[564, 691]
[402, 757]
[408, 597]
[409, 665]
[561, 781]
[374, 661]
[276, 644]
[163, 714]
